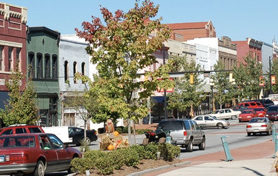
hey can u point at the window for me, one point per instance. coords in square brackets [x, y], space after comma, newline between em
[47, 66]
[35, 130]
[10, 131]
[20, 130]
[10, 59]
[1, 57]
[54, 67]
[45, 143]
[74, 71]
[199, 118]
[39, 66]
[66, 71]
[83, 69]
[31, 65]
[18, 58]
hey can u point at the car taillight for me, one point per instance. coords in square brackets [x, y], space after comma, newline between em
[16, 157]
[185, 133]
[248, 126]
[152, 134]
[263, 125]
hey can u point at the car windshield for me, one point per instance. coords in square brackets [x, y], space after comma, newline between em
[258, 120]
[17, 141]
[170, 125]
[272, 109]
[247, 112]
[259, 109]
[213, 117]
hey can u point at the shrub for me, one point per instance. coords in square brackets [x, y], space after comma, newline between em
[151, 151]
[81, 165]
[168, 151]
[103, 165]
[117, 159]
[131, 157]
[142, 131]
[122, 129]
[140, 150]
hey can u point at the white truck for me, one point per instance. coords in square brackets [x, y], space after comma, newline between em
[61, 131]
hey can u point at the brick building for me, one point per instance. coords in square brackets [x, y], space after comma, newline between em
[250, 47]
[12, 45]
[189, 31]
[227, 52]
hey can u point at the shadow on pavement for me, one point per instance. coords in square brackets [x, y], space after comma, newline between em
[255, 172]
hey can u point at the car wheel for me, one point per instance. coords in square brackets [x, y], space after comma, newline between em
[189, 147]
[202, 146]
[40, 169]
[248, 134]
[220, 125]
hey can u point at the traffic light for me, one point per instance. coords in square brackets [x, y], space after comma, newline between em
[191, 80]
[261, 83]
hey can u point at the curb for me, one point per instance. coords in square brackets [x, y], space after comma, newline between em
[181, 164]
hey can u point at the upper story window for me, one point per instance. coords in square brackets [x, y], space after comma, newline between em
[54, 67]
[83, 69]
[1, 58]
[39, 66]
[31, 65]
[47, 66]
[74, 71]
[10, 59]
[66, 65]
[18, 58]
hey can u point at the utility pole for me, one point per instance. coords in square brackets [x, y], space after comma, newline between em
[270, 85]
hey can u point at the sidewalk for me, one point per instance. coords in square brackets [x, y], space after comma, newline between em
[248, 161]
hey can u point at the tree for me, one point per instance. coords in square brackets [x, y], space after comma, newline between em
[221, 84]
[122, 45]
[21, 106]
[247, 78]
[186, 95]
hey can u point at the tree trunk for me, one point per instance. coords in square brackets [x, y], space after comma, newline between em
[134, 132]
[191, 111]
[85, 128]
[129, 130]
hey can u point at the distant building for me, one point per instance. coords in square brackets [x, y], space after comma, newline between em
[188, 31]
[13, 29]
[267, 56]
[43, 55]
[227, 52]
[250, 47]
[275, 49]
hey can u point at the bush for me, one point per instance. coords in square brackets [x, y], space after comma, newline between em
[131, 157]
[168, 151]
[81, 164]
[103, 165]
[140, 150]
[117, 159]
[142, 131]
[122, 129]
[151, 151]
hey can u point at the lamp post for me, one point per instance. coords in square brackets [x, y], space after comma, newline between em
[211, 83]
[270, 84]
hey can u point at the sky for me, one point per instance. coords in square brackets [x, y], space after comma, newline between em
[237, 19]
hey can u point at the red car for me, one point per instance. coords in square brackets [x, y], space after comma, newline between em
[247, 115]
[260, 112]
[251, 104]
[19, 129]
[35, 154]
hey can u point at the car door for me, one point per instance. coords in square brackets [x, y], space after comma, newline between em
[196, 132]
[64, 155]
[200, 120]
[49, 152]
[209, 121]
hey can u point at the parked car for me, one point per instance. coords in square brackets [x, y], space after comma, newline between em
[70, 135]
[247, 115]
[266, 102]
[210, 121]
[259, 125]
[34, 154]
[260, 112]
[272, 112]
[183, 132]
[21, 128]
[226, 114]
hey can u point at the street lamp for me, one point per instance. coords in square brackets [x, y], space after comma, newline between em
[270, 85]
[211, 83]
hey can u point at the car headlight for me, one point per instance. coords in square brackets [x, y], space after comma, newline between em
[266, 115]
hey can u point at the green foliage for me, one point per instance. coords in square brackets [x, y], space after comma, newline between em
[104, 165]
[142, 131]
[126, 43]
[151, 151]
[117, 159]
[168, 151]
[122, 129]
[185, 95]
[140, 150]
[21, 107]
[131, 156]
[81, 164]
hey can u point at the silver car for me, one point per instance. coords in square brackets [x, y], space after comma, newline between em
[210, 121]
[259, 125]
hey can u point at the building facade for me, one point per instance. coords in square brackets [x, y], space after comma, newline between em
[250, 47]
[43, 59]
[227, 52]
[188, 31]
[267, 56]
[12, 45]
[73, 59]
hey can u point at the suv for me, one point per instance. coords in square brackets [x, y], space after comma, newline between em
[266, 102]
[19, 129]
[183, 132]
[272, 112]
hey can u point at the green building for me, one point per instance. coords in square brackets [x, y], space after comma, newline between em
[42, 68]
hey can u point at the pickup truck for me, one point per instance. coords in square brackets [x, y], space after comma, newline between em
[226, 114]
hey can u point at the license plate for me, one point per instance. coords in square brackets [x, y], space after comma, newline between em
[2, 159]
